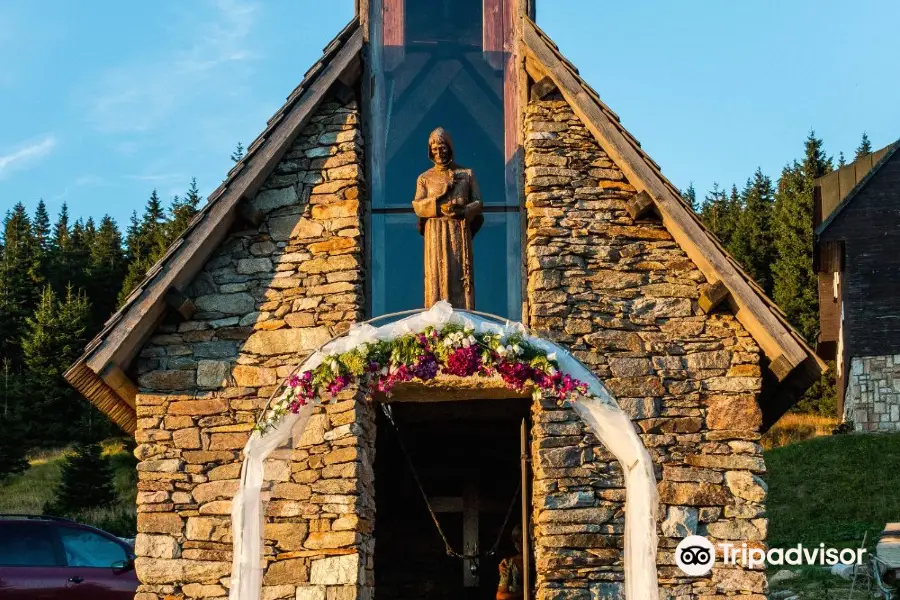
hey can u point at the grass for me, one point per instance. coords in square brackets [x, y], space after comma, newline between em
[28, 492]
[797, 427]
[832, 490]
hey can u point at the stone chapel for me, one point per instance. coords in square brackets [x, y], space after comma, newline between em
[583, 240]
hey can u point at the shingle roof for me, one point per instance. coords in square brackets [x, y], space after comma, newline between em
[98, 372]
[799, 366]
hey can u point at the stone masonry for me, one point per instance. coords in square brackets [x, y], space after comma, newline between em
[620, 294]
[623, 296]
[267, 297]
[873, 393]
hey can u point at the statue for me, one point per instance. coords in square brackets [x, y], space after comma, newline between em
[448, 204]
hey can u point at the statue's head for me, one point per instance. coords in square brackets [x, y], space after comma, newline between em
[440, 147]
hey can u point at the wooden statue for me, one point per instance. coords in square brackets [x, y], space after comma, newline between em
[449, 207]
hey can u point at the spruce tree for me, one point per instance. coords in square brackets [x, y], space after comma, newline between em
[55, 336]
[238, 153]
[87, 482]
[13, 446]
[794, 282]
[20, 280]
[751, 244]
[60, 268]
[146, 242]
[106, 268]
[719, 212]
[865, 147]
[689, 195]
[181, 211]
[841, 160]
[41, 227]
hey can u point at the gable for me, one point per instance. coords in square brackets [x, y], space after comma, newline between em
[100, 373]
[872, 205]
[833, 192]
[792, 365]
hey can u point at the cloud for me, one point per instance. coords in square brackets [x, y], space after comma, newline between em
[27, 154]
[138, 96]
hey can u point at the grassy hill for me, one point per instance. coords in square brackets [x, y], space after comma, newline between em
[28, 492]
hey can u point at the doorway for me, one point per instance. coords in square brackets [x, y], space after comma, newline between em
[467, 457]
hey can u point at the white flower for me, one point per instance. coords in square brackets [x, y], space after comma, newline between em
[384, 370]
[465, 343]
[551, 356]
[517, 349]
[501, 350]
[471, 339]
[335, 367]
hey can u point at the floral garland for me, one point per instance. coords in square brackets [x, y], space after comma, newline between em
[452, 350]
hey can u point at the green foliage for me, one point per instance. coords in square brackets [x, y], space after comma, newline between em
[751, 243]
[87, 482]
[13, 446]
[689, 195]
[865, 147]
[238, 153]
[821, 397]
[56, 334]
[720, 212]
[20, 280]
[795, 284]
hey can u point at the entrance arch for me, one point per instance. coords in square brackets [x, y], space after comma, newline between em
[286, 417]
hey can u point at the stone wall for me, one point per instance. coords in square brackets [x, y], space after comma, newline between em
[266, 298]
[623, 297]
[872, 402]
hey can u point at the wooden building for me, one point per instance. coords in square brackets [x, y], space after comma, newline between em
[857, 257]
[584, 240]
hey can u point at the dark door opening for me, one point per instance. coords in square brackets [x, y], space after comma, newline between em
[468, 459]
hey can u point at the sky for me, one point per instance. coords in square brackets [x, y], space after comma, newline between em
[103, 101]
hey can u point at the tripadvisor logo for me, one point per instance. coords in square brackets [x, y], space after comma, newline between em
[695, 555]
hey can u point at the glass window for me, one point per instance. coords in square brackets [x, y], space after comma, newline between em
[85, 548]
[441, 64]
[28, 545]
[398, 268]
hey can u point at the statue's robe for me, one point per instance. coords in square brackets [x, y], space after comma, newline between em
[449, 270]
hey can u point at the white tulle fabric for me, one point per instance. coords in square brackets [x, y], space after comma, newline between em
[611, 426]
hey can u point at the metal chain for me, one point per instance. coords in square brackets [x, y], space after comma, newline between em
[386, 409]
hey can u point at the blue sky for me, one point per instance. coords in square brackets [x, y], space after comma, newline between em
[102, 101]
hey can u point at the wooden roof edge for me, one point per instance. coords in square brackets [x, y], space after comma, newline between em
[128, 329]
[891, 149]
[100, 394]
[779, 341]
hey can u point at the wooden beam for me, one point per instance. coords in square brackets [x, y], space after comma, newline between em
[180, 303]
[125, 339]
[711, 296]
[542, 89]
[640, 205]
[781, 368]
[121, 384]
[774, 337]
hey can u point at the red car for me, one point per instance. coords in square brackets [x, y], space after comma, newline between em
[48, 558]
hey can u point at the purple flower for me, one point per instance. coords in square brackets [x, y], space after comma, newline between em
[339, 383]
[294, 381]
[426, 367]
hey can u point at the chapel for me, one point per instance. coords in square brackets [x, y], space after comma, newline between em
[445, 150]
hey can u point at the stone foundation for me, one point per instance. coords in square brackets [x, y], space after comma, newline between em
[623, 296]
[872, 400]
